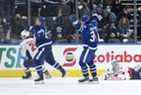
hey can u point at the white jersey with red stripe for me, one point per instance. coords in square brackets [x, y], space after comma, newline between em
[30, 46]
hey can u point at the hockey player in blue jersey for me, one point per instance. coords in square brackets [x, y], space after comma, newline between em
[27, 52]
[88, 29]
[44, 50]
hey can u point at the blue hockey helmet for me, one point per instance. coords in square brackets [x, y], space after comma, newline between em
[72, 18]
[42, 19]
[85, 18]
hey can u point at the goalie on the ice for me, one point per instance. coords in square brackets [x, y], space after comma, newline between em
[88, 29]
[28, 50]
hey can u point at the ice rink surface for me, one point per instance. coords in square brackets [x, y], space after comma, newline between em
[68, 86]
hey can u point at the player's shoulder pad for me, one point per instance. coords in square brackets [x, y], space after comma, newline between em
[92, 27]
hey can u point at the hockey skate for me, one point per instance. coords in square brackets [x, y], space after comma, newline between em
[83, 80]
[27, 74]
[63, 72]
[39, 80]
[94, 80]
[47, 74]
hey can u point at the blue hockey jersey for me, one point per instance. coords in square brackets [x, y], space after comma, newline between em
[89, 30]
[89, 35]
[39, 34]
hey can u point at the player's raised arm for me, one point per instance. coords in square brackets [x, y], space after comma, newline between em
[76, 23]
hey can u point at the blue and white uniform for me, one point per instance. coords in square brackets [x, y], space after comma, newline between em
[44, 53]
[39, 34]
[89, 41]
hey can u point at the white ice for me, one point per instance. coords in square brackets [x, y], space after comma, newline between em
[68, 86]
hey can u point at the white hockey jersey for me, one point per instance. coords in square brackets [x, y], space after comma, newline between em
[30, 46]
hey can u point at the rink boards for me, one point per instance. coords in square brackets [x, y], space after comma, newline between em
[68, 56]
